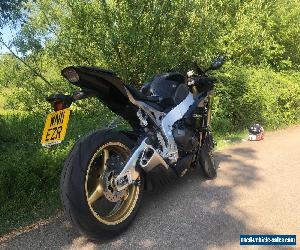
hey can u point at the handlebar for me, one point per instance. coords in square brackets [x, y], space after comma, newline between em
[216, 64]
[205, 80]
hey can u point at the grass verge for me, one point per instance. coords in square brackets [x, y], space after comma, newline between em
[225, 140]
[29, 173]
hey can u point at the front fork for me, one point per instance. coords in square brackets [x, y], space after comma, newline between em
[206, 132]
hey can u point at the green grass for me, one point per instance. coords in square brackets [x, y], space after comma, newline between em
[224, 140]
[29, 173]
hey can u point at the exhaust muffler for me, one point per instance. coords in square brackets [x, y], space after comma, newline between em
[151, 159]
[147, 157]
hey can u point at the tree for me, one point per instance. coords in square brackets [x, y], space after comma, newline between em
[10, 11]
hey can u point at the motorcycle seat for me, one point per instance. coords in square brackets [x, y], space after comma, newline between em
[152, 101]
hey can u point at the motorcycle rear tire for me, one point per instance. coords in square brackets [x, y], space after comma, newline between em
[75, 198]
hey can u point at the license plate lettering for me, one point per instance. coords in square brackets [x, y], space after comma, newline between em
[57, 119]
[53, 133]
[55, 127]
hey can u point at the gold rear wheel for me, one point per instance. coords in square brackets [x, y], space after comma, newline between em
[108, 205]
[88, 194]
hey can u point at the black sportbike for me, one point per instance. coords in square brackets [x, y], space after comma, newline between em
[107, 171]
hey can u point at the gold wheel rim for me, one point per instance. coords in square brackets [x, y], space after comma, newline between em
[124, 208]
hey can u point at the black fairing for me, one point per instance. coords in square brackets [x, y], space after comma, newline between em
[170, 87]
[111, 91]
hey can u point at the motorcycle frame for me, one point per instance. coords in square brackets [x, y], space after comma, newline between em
[165, 122]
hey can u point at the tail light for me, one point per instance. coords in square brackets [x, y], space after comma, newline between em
[70, 74]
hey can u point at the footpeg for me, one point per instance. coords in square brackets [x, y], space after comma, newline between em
[137, 182]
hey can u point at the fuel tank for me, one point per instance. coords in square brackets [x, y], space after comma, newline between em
[170, 87]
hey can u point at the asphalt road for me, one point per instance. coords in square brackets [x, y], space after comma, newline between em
[257, 192]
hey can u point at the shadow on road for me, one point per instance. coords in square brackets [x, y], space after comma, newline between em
[189, 214]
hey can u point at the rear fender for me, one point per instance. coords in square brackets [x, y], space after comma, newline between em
[110, 90]
[61, 101]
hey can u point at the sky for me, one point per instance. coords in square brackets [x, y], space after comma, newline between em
[7, 34]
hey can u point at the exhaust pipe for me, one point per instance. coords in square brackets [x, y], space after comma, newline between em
[151, 159]
[148, 158]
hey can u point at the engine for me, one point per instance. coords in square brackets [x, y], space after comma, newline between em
[185, 137]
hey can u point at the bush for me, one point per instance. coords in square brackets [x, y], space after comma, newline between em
[250, 95]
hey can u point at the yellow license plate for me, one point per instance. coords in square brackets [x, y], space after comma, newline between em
[55, 127]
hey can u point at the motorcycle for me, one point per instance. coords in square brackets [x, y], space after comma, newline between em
[106, 172]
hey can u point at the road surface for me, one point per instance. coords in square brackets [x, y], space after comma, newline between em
[257, 192]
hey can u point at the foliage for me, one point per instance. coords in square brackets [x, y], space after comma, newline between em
[254, 95]
[10, 10]
[140, 39]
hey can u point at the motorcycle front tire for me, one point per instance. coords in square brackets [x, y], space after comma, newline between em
[206, 164]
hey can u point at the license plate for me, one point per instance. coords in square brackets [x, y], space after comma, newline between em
[55, 127]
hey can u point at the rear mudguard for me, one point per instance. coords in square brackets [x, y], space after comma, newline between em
[111, 91]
